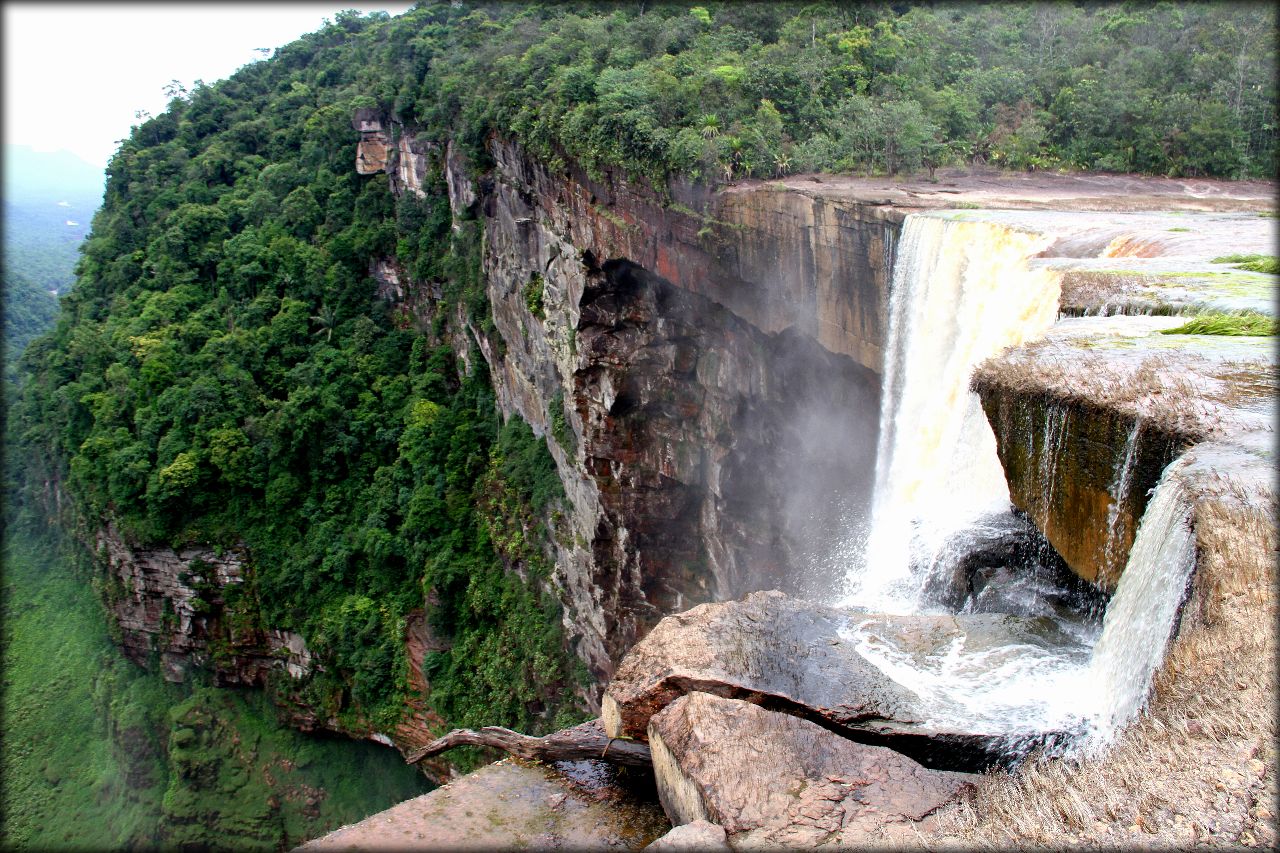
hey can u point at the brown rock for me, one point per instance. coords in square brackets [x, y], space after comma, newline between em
[774, 779]
[505, 806]
[698, 835]
[372, 153]
[787, 655]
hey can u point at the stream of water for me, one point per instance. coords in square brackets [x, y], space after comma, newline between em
[963, 291]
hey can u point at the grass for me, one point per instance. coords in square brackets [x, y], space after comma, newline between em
[1198, 766]
[1254, 263]
[1249, 323]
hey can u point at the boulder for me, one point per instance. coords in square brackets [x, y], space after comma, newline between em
[698, 835]
[774, 780]
[808, 660]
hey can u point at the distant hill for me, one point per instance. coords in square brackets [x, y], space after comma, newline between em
[49, 201]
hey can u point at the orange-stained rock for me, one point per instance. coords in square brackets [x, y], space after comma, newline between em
[372, 153]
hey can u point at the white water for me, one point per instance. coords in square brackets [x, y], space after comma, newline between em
[962, 292]
[1140, 618]
[1092, 685]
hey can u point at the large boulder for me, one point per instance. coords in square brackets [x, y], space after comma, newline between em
[774, 780]
[811, 661]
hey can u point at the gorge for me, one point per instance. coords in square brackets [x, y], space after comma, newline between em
[853, 486]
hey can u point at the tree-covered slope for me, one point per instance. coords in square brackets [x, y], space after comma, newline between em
[100, 755]
[225, 372]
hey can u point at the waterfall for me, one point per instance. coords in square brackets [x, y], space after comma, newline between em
[1140, 618]
[1119, 491]
[1093, 688]
[961, 292]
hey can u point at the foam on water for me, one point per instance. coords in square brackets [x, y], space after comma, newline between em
[963, 291]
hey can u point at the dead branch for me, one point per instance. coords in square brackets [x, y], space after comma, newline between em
[583, 741]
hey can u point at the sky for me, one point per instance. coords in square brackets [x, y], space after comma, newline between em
[75, 74]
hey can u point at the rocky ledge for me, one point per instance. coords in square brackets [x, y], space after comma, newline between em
[812, 662]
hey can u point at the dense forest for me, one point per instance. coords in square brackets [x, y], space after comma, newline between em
[224, 371]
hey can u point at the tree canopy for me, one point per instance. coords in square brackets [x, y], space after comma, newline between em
[224, 370]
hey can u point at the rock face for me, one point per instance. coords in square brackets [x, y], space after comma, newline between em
[182, 609]
[1084, 429]
[804, 659]
[773, 780]
[373, 153]
[511, 805]
[1066, 462]
[174, 604]
[711, 372]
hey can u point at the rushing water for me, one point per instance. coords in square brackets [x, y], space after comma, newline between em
[963, 291]
[1140, 619]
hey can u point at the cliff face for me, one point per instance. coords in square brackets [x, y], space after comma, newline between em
[183, 606]
[705, 367]
[708, 376]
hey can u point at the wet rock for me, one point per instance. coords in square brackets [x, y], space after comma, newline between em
[772, 779]
[698, 835]
[504, 806]
[687, 352]
[1003, 564]
[804, 659]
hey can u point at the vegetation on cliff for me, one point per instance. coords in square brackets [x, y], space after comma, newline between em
[100, 755]
[226, 370]
[727, 89]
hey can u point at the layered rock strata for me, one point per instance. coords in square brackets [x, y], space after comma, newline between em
[173, 604]
[707, 367]
[1086, 422]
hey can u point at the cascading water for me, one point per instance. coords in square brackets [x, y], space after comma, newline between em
[1088, 685]
[1140, 619]
[962, 291]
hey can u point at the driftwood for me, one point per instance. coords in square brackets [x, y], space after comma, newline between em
[583, 741]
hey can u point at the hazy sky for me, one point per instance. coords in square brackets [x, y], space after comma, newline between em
[75, 74]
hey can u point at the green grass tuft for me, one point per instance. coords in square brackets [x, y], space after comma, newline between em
[1253, 263]
[1249, 324]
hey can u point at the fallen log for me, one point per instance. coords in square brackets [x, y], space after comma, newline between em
[583, 741]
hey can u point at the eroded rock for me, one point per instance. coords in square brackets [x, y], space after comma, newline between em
[698, 835]
[772, 779]
[511, 805]
[811, 661]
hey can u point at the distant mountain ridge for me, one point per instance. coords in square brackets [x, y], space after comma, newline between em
[50, 198]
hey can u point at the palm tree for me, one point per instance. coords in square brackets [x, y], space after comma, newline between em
[326, 319]
[710, 126]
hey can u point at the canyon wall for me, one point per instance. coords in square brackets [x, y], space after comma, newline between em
[708, 368]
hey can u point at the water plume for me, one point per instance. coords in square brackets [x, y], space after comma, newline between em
[962, 292]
